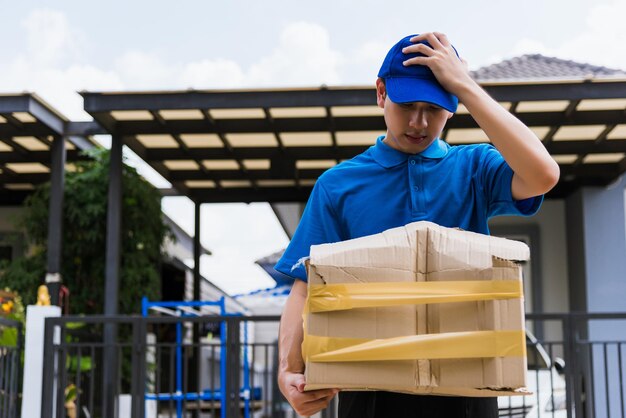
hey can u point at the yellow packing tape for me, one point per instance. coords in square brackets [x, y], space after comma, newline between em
[451, 345]
[335, 297]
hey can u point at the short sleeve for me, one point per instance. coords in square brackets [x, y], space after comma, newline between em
[495, 178]
[319, 225]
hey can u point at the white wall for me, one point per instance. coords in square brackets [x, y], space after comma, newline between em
[553, 242]
[553, 263]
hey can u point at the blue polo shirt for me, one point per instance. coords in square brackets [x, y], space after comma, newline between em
[453, 186]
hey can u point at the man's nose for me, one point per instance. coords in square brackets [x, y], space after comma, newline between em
[418, 120]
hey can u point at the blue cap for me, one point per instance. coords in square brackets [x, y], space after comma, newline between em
[413, 83]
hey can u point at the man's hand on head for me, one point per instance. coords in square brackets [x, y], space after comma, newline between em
[450, 70]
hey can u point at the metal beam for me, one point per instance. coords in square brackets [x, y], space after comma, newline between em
[233, 368]
[81, 142]
[169, 192]
[46, 116]
[197, 250]
[34, 178]
[588, 147]
[112, 273]
[38, 157]
[608, 171]
[557, 91]
[285, 174]
[13, 197]
[84, 128]
[247, 195]
[55, 218]
[14, 103]
[27, 129]
[564, 189]
[250, 126]
[154, 155]
[99, 102]
[106, 121]
[114, 226]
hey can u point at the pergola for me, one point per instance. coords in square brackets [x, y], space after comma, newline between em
[34, 148]
[271, 145]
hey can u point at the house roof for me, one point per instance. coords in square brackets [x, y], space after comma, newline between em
[182, 237]
[268, 262]
[540, 67]
[271, 258]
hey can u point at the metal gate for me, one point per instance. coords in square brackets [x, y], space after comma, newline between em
[10, 370]
[577, 368]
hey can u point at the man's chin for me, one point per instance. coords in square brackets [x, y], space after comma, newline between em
[417, 148]
[407, 146]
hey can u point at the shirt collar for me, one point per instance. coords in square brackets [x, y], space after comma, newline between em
[389, 157]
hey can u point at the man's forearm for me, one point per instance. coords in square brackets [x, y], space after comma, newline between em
[291, 333]
[519, 146]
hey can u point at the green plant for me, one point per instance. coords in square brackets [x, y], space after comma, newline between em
[84, 238]
[11, 307]
[70, 393]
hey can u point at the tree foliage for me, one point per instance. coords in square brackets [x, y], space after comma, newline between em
[84, 238]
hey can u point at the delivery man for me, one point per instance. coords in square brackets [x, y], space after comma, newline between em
[411, 175]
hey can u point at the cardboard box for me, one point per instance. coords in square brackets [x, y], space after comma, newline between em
[419, 252]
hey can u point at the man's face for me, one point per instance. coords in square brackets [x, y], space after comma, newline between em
[411, 127]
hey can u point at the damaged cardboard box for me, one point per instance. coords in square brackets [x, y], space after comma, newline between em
[417, 309]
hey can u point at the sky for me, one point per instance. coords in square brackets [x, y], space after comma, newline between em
[57, 48]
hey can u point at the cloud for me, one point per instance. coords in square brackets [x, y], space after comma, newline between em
[217, 73]
[599, 42]
[364, 63]
[58, 86]
[50, 39]
[50, 65]
[145, 70]
[603, 39]
[303, 57]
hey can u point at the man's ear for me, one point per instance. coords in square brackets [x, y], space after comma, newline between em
[381, 93]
